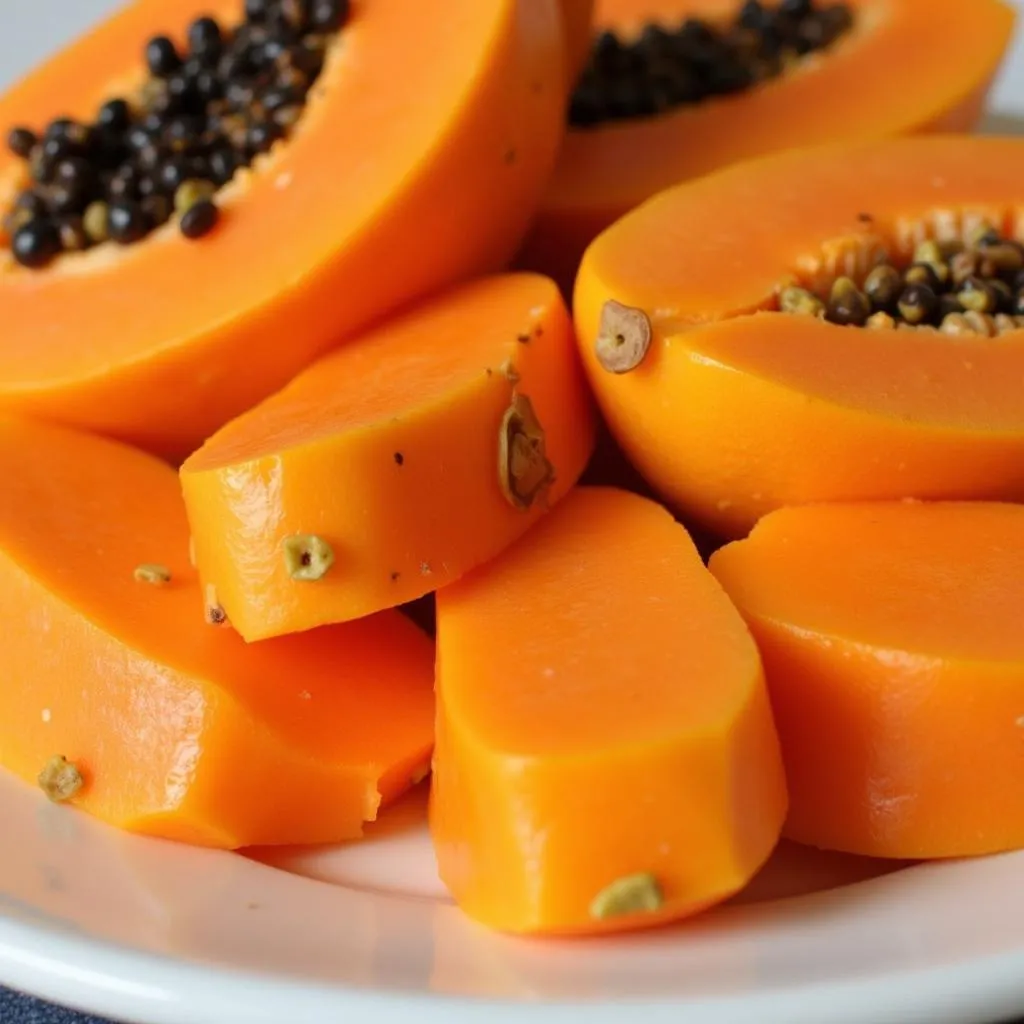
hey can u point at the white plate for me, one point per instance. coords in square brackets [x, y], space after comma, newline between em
[161, 934]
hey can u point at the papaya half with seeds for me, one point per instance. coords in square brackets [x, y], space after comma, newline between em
[738, 408]
[913, 66]
[416, 162]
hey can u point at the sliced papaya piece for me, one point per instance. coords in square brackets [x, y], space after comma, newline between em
[680, 88]
[410, 456]
[737, 406]
[577, 16]
[892, 646]
[147, 716]
[606, 757]
[405, 167]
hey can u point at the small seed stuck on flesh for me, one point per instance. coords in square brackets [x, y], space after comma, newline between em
[634, 894]
[215, 614]
[917, 303]
[800, 301]
[976, 294]
[883, 286]
[624, 337]
[152, 573]
[880, 321]
[524, 472]
[307, 557]
[60, 779]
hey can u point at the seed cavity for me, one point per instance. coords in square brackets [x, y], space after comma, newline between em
[624, 337]
[666, 67]
[524, 472]
[60, 779]
[201, 114]
[634, 894]
[152, 573]
[307, 557]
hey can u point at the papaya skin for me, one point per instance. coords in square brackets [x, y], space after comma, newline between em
[892, 647]
[602, 715]
[390, 450]
[872, 84]
[443, 165]
[179, 728]
[738, 410]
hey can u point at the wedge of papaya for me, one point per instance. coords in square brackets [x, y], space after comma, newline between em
[414, 160]
[895, 661]
[606, 756]
[736, 407]
[577, 16]
[127, 702]
[917, 65]
[404, 459]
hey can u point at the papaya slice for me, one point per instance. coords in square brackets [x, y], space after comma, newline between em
[413, 165]
[411, 456]
[142, 713]
[738, 407]
[892, 646]
[577, 16]
[916, 66]
[613, 764]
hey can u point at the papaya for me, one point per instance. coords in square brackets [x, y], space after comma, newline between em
[395, 464]
[615, 764]
[677, 89]
[576, 20]
[891, 640]
[123, 699]
[834, 324]
[329, 163]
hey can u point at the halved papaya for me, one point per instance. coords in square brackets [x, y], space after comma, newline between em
[735, 407]
[913, 66]
[128, 703]
[416, 161]
[891, 640]
[395, 464]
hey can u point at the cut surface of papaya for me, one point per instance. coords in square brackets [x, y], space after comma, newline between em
[577, 16]
[414, 454]
[737, 407]
[900, 67]
[606, 756]
[175, 726]
[410, 167]
[892, 646]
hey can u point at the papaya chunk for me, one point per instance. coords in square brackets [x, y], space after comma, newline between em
[177, 728]
[738, 407]
[606, 757]
[576, 20]
[417, 163]
[920, 65]
[415, 454]
[891, 640]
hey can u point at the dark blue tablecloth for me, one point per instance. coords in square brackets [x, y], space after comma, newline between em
[17, 1009]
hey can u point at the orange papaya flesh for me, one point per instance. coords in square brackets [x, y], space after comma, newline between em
[895, 660]
[577, 16]
[738, 408]
[391, 451]
[624, 733]
[904, 68]
[180, 729]
[446, 150]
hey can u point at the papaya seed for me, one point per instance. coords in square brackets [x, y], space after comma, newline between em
[153, 573]
[190, 191]
[880, 321]
[624, 337]
[917, 303]
[60, 779]
[847, 304]
[634, 894]
[976, 294]
[524, 472]
[794, 299]
[215, 614]
[307, 557]
[883, 286]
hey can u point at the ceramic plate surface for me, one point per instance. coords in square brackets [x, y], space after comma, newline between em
[161, 934]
